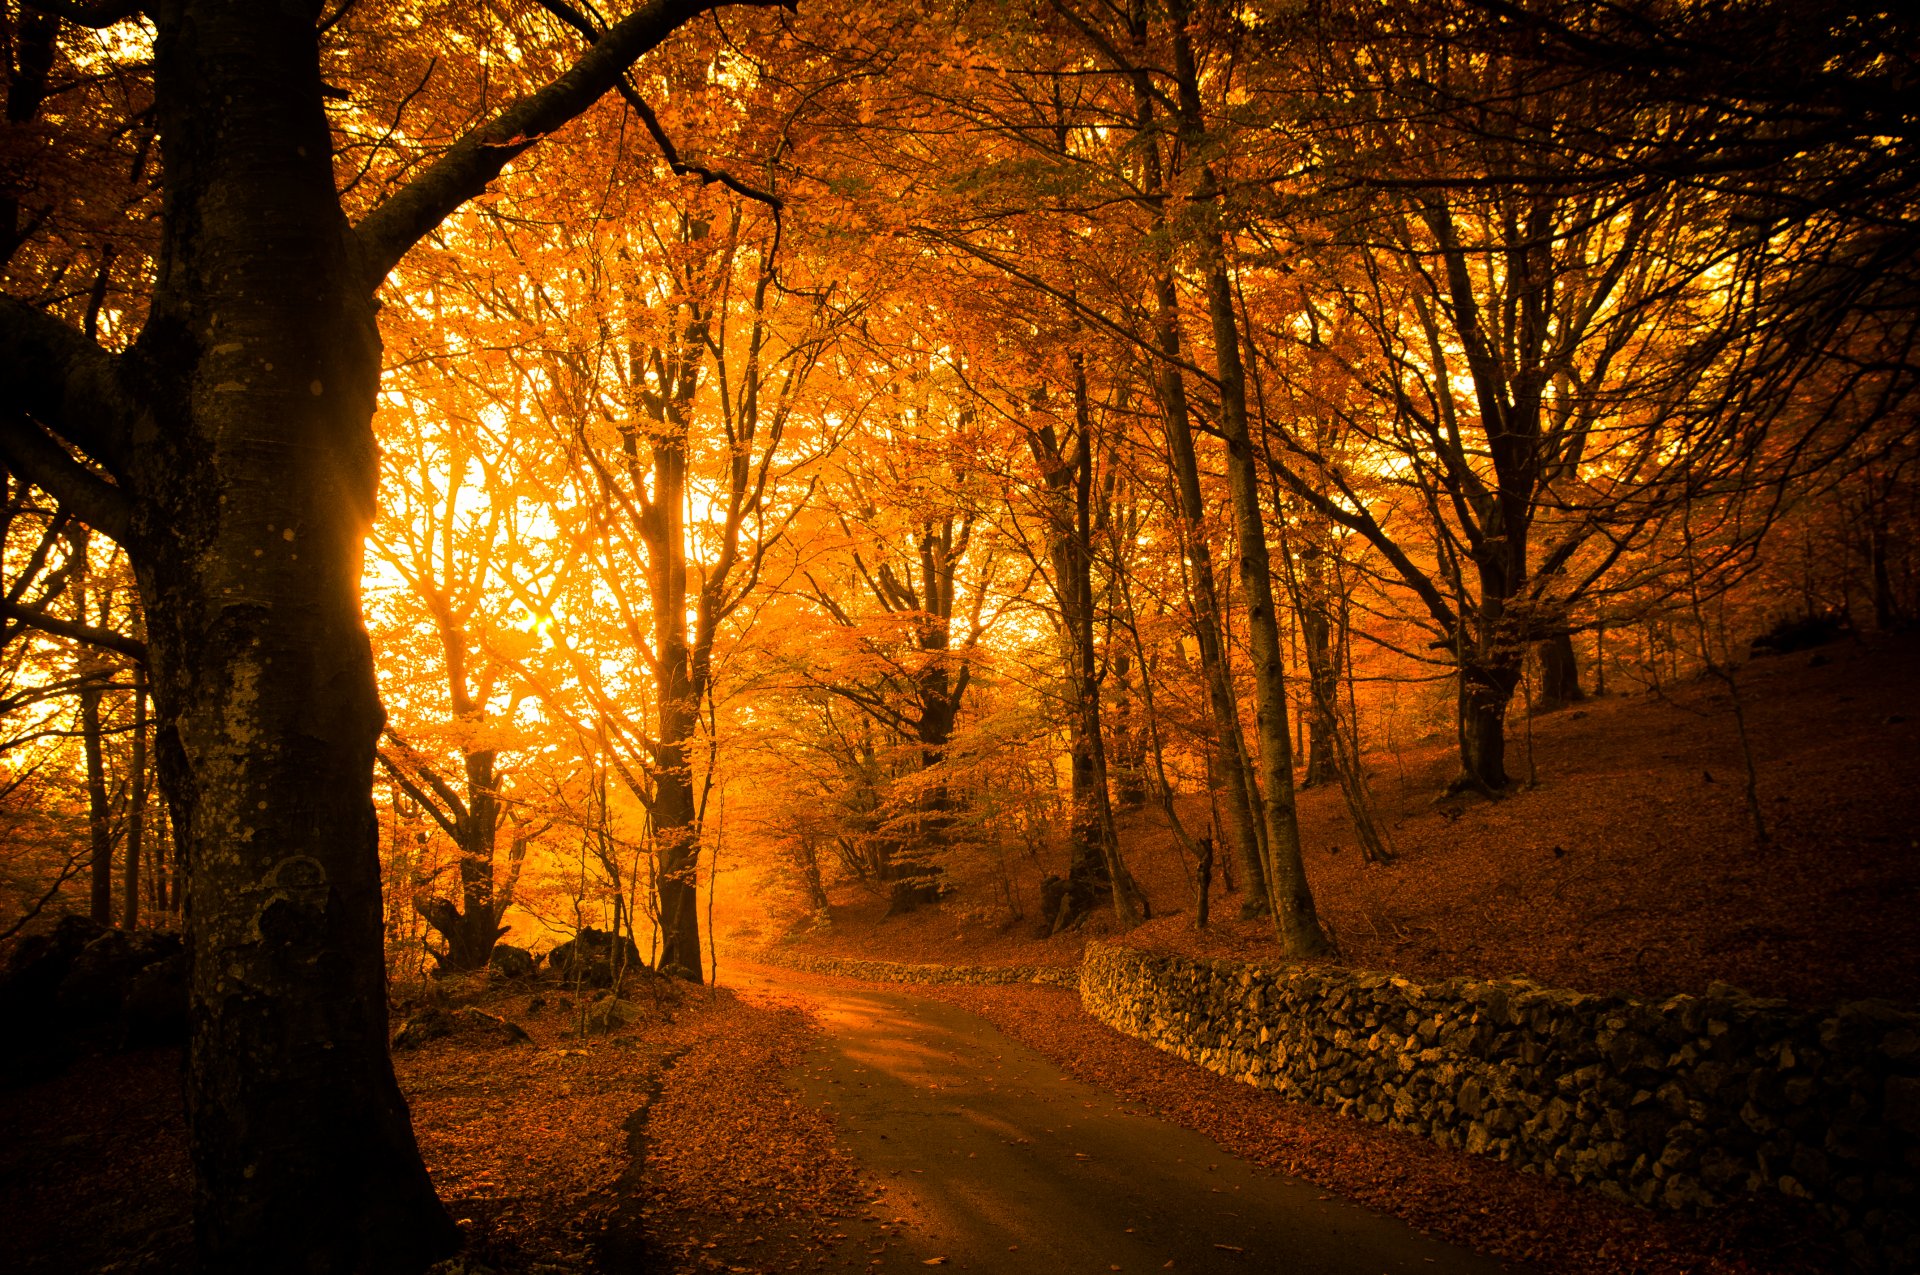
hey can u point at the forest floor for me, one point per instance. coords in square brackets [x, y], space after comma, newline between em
[709, 1136]
[1630, 865]
[668, 1144]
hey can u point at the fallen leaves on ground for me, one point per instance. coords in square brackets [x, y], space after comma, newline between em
[528, 1146]
[526, 1142]
[93, 1169]
[740, 1173]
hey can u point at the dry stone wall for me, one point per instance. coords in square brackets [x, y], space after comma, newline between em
[1683, 1103]
[899, 972]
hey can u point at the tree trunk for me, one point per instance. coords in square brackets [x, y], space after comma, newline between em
[1316, 632]
[1559, 673]
[807, 851]
[1094, 866]
[1880, 546]
[136, 802]
[1600, 660]
[1489, 658]
[99, 818]
[676, 879]
[99, 822]
[1203, 884]
[1128, 751]
[1484, 693]
[675, 811]
[1296, 924]
[255, 488]
[1235, 783]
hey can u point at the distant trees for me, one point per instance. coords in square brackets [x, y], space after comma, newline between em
[448, 517]
[905, 585]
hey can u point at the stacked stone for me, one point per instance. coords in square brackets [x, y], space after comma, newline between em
[900, 972]
[1683, 1104]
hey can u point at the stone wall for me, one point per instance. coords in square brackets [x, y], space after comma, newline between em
[1683, 1103]
[897, 972]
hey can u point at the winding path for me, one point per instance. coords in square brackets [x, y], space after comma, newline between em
[994, 1160]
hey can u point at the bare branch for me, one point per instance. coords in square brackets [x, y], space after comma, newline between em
[107, 639]
[386, 233]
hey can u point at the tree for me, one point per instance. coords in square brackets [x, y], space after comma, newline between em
[1295, 922]
[450, 510]
[1066, 447]
[906, 589]
[228, 448]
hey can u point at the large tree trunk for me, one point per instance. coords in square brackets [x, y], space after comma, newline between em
[674, 813]
[1489, 664]
[1094, 865]
[255, 488]
[1088, 882]
[911, 864]
[1485, 690]
[676, 834]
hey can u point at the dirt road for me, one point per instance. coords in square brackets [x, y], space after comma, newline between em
[991, 1159]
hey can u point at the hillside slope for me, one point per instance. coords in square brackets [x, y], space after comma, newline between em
[1631, 866]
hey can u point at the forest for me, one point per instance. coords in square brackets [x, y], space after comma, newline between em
[558, 553]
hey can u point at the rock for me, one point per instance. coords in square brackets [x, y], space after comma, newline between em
[509, 961]
[611, 1012]
[439, 1024]
[89, 997]
[82, 985]
[1901, 1046]
[431, 1023]
[592, 958]
[94, 992]
[476, 1022]
[41, 961]
[1687, 1103]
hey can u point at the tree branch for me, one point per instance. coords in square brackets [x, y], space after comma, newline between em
[59, 377]
[410, 770]
[463, 172]
[668, 151]
[27, 451]
[107, 639]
